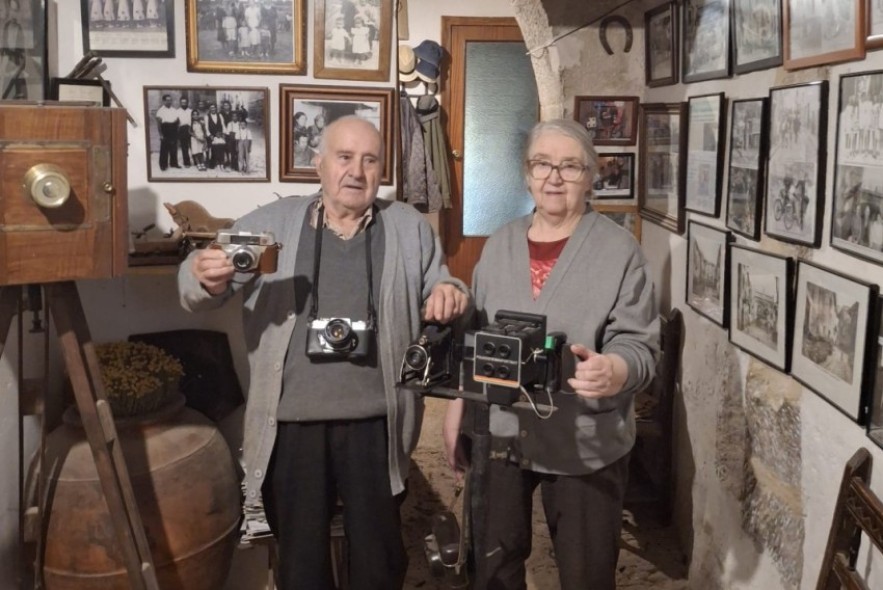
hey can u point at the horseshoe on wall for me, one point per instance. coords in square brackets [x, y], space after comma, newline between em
[602, 32]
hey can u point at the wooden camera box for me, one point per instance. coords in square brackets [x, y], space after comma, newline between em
[63, 198]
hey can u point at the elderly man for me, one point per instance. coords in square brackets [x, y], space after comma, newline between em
[326, 334]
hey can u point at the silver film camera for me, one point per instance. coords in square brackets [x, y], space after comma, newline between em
[249, 252]
[337, 338]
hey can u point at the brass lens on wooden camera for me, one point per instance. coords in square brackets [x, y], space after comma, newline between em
[47, 185]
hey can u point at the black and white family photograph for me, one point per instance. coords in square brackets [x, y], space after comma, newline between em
[129, 28]
[352, 34]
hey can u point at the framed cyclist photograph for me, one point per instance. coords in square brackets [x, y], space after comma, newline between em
[748, 131]
[705, 153]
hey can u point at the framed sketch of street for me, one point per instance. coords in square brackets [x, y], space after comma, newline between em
[795, 163]
[23, 71]
[207, 134]
[246, 36]
[661, 158]
[610, 120]
[624, 215]
[614, 177]
[748, 131]
[823, 33]
[661, 45]
[707, 279]
[706, 40]
[761, 304]
[352, 39]
[757, 35]
[705, 153]
[305, 111]
[874, 40]
[128, 28]
[833, 337]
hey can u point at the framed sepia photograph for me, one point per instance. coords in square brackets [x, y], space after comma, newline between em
[128, 28]
[305, 111]
[246, 37]
[834, 331]
[661, 45]
[705, 153]
[90, 91]
[661, 151]
[707, 279]
[706, 40]
[875, 421]
[748, 131]
[624, 215]
[874, 19]
[23, 71]
[352, 39]
[757, 35]
[823, 33]
[614, 177]
[207, 134]
[761, 304]
[795, 182]
[610, 120]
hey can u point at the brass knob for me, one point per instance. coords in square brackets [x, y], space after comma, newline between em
[108, 187]
[47, 185]
[458, 155]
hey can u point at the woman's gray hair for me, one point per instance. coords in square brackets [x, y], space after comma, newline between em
[571, 129]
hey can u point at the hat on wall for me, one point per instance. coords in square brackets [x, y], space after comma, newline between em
[407, 64]
[429, 54]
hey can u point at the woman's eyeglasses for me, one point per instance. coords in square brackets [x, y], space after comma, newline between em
[568, 171]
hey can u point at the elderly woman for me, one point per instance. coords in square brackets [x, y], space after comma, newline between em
[589, 277]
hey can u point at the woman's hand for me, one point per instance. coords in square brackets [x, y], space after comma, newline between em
[597, 375]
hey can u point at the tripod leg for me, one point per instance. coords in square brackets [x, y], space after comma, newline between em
[8, 310]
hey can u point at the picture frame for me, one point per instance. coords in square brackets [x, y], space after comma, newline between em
[23, 50]
[610, 120]
[661, 45]
[748, 139]
[762, 304]
[705, 31]
[267, 38]
[95, 92]
[797, 152]
[352, 44]
[624, 215]
[757, 35]
[874, 19]
[834, 328]
[614, 176]
[875, 413]
[328, 103]
[856, 213]
[661, 158]
[121, 28]
[226, 152]
[706, 130]
[707, 278]
[813, 37]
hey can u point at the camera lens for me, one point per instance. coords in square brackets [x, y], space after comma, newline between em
[415, 357]
[243, 260]
[488, 348]
[338, 333]
[502, 372]
[503, 351]
[487, 370]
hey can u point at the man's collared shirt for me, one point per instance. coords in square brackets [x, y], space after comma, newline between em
[364, 220]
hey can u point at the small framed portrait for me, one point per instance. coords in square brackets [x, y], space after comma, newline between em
[874, 19]
[823, 33]
[207, 134]
[661, 45]
[128, 28]
[757, 35]
[352, 40]
[610, 120]
[705, 153]
[305, 111]
[875, 421]
[707, 279]
[748, 131]
[614, 177]
[834, 331]
[795, 165]
[706, 39]
[246, 37]
[761, 304]
[95, 92]
[23, 71]
[662, 162]
[622, 214]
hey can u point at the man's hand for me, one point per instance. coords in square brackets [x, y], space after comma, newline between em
[212, 269]
[445, 303]
[597, 375]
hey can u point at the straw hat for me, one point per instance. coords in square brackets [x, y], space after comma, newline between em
[407, 64]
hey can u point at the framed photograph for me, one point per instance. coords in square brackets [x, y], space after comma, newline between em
[661, 45]
[748, 132]
[305, 111]
[207, 134]
[706, 40]
[705, 153]
[874, 18]
[795, 186]
[761, 304]
[823, 33]
[352, 40]
[757, 35]
[23, 71]
[707, 279]
[875, 421]
[128, 28]
[857, 209]
[661, 188]
[253, 37]
[610, 120]
[77, 90]
[623, 215]
[615, 177]
[834, 330]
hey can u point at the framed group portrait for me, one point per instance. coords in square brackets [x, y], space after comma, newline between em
[707, 278]
[23, 55]
[757, 35]
[748, 131]
[614, 176]
[352, 39]
[661, 45]
[128, 28]
[823, 33]
[705, 32]
[661, 158]
[305, 111]
[705, 153]
[610, 120]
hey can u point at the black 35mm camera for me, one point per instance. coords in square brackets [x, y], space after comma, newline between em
[249, 252]
[339, 338]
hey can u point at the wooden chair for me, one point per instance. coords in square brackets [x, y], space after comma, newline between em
[857, 510]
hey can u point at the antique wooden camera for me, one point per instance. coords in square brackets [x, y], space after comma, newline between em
[63, 199]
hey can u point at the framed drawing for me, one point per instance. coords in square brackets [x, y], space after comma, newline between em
[748, 131]
[874, 18]
[77, 90]
[757, 35]
[761, 304]
[705, 153]
[875, 420]
[796, 162]
[707, 279]
[706, 39]
[306, 110]
[834, 329]
[610, 120]
[661, 45]
[23, 71]
[352, 40]
[623, 215]
[207, 134]
[614, 177]
[257, 37]
[128, 28]
[661, 188]
[823, 33]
